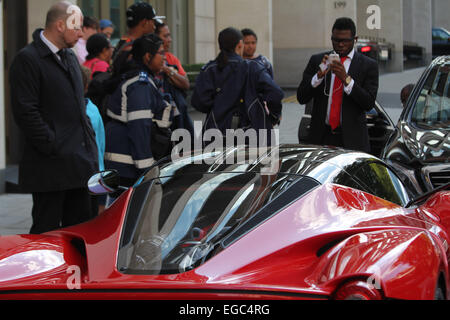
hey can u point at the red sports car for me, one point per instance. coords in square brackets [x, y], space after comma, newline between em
[296, 222]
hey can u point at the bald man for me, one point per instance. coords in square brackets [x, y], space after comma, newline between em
[60, 152]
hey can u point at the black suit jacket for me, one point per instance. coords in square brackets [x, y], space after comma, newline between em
[48, 104]
[364, 71]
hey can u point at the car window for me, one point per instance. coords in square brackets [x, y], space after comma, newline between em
[433, 104]
[382, 182]
[439, 35]
[175, 223]
[435, 35]
[344, 179]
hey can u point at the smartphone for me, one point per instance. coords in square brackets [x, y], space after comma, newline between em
[333, 57]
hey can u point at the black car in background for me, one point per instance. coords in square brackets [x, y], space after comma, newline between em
[441, 42]
[378, 50]
[420, 145]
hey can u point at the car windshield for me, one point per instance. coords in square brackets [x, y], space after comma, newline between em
[440, 34]
[432, 109]
[176, 223]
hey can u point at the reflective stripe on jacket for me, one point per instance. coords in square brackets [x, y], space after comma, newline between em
[134, 105]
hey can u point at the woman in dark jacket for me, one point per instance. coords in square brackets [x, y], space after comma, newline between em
[135, 107]
[236, 93]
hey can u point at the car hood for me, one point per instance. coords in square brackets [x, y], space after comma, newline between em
[428, 144]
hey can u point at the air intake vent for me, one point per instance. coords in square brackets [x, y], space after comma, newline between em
[438, 179]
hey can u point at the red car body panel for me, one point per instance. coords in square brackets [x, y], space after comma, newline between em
[306, 251]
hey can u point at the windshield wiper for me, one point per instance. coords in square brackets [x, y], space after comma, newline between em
[427, 195]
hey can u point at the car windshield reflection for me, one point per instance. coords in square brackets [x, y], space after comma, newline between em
[174, 224]
[432, 109]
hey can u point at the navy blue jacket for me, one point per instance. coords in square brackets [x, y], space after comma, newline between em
[134, 106]
[242, 84]
[266, 63]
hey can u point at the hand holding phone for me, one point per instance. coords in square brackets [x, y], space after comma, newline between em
[324, 67]
[333, 57]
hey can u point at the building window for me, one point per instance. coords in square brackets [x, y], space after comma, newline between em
[90, 8]
[115, 16]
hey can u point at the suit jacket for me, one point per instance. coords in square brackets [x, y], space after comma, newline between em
[60, 151]
[364, 72]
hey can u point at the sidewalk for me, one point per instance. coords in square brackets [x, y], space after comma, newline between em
[15, 209]
[15, 214]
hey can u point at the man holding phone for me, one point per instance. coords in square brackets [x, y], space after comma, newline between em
[344, 86]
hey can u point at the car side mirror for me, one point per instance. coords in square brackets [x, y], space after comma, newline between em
[105, 182]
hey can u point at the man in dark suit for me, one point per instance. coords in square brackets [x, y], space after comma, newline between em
[60, 152]
[343, 91]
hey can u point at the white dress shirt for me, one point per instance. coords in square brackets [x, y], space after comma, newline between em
[315, 82]
[50, 45]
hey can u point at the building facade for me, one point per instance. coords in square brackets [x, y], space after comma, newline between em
[289, 32]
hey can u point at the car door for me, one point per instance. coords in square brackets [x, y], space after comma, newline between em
[380, 128]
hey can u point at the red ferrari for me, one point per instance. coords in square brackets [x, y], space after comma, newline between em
[319, 224]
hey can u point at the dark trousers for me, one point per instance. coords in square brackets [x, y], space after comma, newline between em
[333, 138]
[61, 209]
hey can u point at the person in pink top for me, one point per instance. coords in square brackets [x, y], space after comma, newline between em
[99, 53]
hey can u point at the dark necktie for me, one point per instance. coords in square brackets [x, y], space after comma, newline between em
[336, 101]
[63, 55]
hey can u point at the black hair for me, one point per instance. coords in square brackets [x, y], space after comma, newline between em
[249, 32]
[149, 43]
[345, 24]
[137, 12]
[228, 40]
[90, 22]
[406, 90]
[95, 45]
[159, 25]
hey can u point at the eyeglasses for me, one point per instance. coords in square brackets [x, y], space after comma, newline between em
[342, 40]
